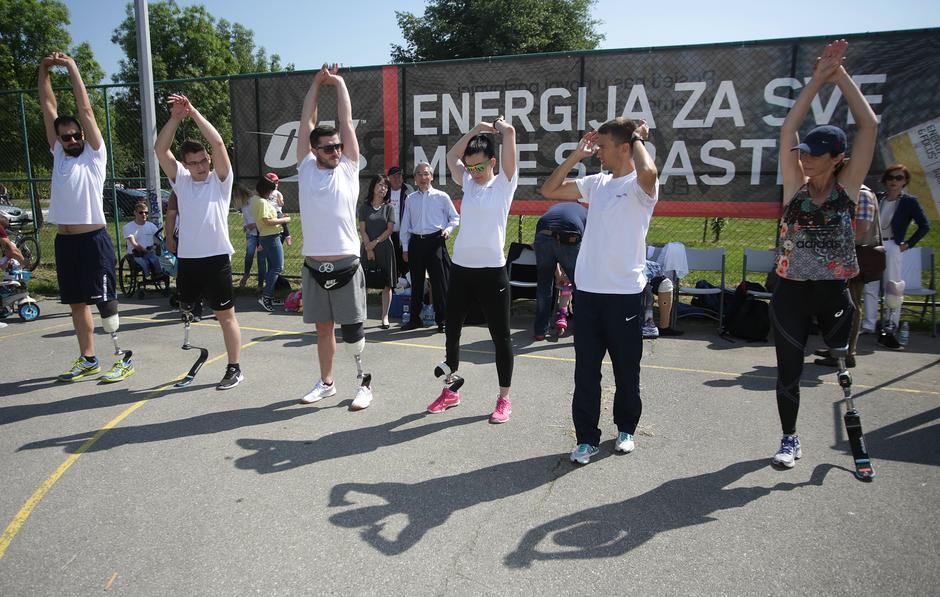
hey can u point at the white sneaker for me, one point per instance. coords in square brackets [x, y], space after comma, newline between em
[790, 451]
[363, 398]
[319, 392]
[624, 443]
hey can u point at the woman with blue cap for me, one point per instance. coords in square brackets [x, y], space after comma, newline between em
[816, 254]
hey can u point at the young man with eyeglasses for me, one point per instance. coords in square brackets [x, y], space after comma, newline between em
[204, 255]
[609, 275]
[139, 237]
[85, 257]
[334, 286]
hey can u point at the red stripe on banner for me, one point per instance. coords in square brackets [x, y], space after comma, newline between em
[390, 115]
[755, 210]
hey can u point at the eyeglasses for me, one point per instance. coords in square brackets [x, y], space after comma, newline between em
[199, 163]
[476, 168]
[331, 148]
[71, 137]
[143, 213]
[894, 177]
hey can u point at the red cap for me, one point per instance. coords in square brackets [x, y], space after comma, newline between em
[272, 177]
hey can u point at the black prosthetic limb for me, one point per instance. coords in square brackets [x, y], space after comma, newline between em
[853, 421]
[188, 318]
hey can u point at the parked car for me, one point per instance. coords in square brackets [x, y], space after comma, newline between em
[17, 216]
[127, 199]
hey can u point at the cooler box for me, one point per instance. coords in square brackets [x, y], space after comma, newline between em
[398, 302]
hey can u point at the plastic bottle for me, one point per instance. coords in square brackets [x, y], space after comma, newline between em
[405, 314]
[904, 333]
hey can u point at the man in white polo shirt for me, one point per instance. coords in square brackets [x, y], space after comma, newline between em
[204, 251]
[84, 254]
[334, 286]
[609, 275]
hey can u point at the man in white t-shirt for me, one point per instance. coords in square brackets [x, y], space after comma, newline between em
[204, 251]
[84, 254]
[139, 240]
[398, 192]
[334, 286]
[609, 275]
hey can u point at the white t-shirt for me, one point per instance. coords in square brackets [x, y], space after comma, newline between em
[394, 197]
[328, 207]
[249, 219]
[483, 213]
[612, 258]
[77, 186]
[887, 210]
[202, 223]
[143, 234]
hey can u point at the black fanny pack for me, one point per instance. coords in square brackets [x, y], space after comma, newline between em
[331, 278]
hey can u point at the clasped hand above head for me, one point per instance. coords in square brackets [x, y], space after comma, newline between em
[180, 106]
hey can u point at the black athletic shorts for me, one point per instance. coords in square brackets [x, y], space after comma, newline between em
[85, 267]
[205, 278]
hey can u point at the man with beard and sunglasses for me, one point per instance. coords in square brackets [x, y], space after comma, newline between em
[84, 254]
[334, 285]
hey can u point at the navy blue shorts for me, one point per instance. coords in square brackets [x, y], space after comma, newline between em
[85, 267]
[208, 278]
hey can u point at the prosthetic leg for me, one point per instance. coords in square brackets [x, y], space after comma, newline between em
[853, 421]
[354, 339]
[451, 379]
[894, 299]
[188, 318]
[110, 321]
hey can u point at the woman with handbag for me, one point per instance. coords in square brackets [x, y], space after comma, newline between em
[376, 223]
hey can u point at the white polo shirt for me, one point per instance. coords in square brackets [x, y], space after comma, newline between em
[77, 186]
[202, 223]
[612, 258]
[328, 207]
[483, 213]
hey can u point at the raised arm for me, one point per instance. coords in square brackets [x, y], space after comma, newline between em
[220, 158]
[507, 161]
[455, 155]
[790, 168]
[179, 109]
[83, 106]
[863, 145]
[347, 132]
[308, 115]
[556, 187]
[646, 173]
[47, 99]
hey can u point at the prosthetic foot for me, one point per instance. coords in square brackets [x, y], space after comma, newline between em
[124, 367]
[853, 422]
[188, 318]
[451, 379]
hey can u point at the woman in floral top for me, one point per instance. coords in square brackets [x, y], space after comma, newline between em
[816, 255]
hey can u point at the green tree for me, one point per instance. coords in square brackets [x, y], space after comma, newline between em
[474, 28]
[186, 42]
[30, 30]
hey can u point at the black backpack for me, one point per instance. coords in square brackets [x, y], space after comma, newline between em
[749, 317]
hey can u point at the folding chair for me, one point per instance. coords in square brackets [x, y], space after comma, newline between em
[522, 276]
[707, 260]
[758, 261]
[913, 263]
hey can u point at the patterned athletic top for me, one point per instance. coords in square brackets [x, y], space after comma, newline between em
[818, 242]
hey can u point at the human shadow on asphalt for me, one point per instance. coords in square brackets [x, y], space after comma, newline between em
[205, 424]
[763, 378]
[615, 529]
[275, 456]
[915, 439]
[428, 504]
[128, 325]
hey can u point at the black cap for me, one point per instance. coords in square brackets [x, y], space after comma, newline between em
[394, 170]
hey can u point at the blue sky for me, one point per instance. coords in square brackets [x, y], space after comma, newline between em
[362, 31]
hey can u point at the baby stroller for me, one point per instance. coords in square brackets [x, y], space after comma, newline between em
[15, 297]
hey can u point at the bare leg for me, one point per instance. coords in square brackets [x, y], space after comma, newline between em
[386, 303]
[231, 333]
[326, 349]
[84, 326]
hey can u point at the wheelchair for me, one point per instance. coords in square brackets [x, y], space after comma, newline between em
[132, 280]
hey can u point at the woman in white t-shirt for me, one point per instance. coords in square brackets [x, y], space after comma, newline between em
[478, 272]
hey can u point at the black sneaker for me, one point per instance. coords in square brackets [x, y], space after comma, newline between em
[232, 378]
[266, 303]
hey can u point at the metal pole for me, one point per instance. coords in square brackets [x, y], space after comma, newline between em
[148, 115]
[29, 168]
[118, 245]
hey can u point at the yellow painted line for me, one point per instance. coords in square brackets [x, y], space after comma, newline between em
[20, 519]
[34, 330]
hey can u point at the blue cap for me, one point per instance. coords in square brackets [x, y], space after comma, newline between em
[822, 140]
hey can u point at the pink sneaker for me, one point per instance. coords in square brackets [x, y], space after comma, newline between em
[562, 321]
[446, 400]
[502, 412]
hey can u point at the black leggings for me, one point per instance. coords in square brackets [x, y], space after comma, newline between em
[488, 286]
[794, 306]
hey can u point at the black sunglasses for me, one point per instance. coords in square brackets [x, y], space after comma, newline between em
[143, 213]
[71, 137]
[894, 177]
[331, 148]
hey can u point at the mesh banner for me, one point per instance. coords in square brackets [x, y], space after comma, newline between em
[714, 112]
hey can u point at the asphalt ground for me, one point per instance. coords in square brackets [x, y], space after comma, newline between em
[140, 489]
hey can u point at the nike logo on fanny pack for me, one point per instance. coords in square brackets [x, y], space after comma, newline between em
[329, 284]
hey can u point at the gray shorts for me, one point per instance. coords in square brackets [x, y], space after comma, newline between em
[343, 305]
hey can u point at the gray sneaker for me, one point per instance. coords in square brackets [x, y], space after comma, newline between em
[582, 454]
[231, 378]
[624, 443]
